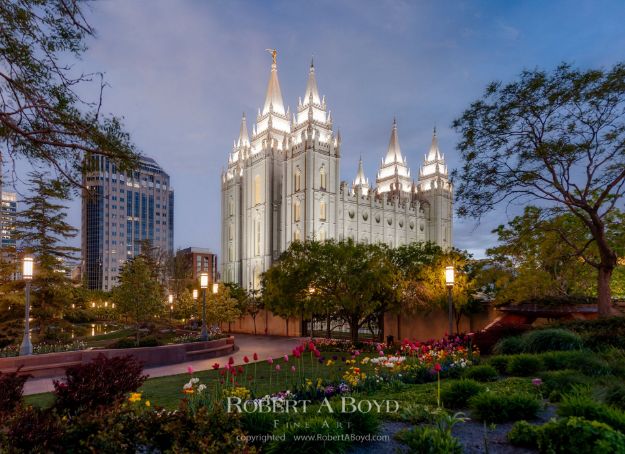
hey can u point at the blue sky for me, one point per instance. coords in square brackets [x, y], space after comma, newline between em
[182, 72]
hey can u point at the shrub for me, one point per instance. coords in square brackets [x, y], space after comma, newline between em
[500, 363]
[589, 364]
[428, 440]
[131, 342]
[259, 423]
[524, 365]
[545, 340]
[509, 346]
[32, 429]
[560, 360]
[524, 434]
[599, 334]
[11, 390]
[580, 436]
[583, 405]
[324, 426]
[357, 422]
[457, 395]
[102, 382]
[615, 395]
[484, 373]
[495, 408]
[559, 382]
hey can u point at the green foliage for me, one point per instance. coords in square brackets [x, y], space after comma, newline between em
[43, 118]
[429, 440]
[139, 294]
[599, 334]
[551, 340]
[323, 426]
[495, 407]
[483, 373]
[457, 394]
[524, 434]
[524, 365]
[615, 395]
[222, 307]
[11, 391]
[415, 413]
[580, 436]
[358, 422]
[500, 363]
[559, 382]
[583, 405]
[509, 346]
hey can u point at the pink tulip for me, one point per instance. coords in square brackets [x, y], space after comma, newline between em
[286, 358]
[270, 360]
[381, 353]
[277, 367]
[190, 369]
[311, 346]
[293, 369]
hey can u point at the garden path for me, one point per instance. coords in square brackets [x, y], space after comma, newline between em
[247, 344]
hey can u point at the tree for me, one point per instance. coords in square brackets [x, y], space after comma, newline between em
[42, 117]
[556, 138]
[139, 294]
[42, 230]
[185, 307]
[222, 307]
[254, 305]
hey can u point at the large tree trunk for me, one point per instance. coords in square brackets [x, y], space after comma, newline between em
[604, 293]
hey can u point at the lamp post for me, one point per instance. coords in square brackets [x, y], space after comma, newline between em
[171, 307]
[27, 272]
[194, 294]
[204, 286]
[449, 282]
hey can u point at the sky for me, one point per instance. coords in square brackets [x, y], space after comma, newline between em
[182, 72]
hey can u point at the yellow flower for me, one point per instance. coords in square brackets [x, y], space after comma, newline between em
[147, 403]
[134, 397]
[330, 362]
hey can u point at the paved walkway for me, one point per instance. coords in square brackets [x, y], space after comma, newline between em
[264, 346]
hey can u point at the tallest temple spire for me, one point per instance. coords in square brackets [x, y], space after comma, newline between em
[273, 99]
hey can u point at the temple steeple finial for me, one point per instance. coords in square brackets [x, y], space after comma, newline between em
[273, 100]
[244, 138]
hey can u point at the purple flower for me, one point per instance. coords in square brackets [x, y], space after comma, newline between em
[334, 358]
[537, 382]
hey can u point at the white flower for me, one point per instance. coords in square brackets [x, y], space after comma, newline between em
[201, 388]
[187, 385]
[194, 380]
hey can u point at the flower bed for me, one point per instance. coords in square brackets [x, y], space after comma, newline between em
[39, 349]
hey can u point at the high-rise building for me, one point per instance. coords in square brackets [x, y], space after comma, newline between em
[201, 261]
[8, 215]
[283, 184]
[119, 211]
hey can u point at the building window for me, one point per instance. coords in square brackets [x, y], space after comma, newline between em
[257, 190]
[322, 210]
[297, 184]
[230, 207]
[257, 238]
[231, 253]
[322, 179]
[297, 236]
[296, 211]
[230, 232]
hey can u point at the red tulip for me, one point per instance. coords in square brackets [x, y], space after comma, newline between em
[317, 353]
[216, 366]
[231, 360]
[240, 369]
[311, 346]
[222, 372]
[437, 367]
[255, 357]
[246, 359]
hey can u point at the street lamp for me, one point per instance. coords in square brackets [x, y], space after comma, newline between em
[449, 282]
[215, 288]
[27, 273]
[194, 294]
[204, 286]
[171, 306]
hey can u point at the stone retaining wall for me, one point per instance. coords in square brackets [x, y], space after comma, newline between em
[54, 364]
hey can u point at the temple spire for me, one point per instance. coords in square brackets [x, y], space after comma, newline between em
[393, 154]
[361, 181]
[273, 100]
[434, 154]
[311, 87]
[244, 138]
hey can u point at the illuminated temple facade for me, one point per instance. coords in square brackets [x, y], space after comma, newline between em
[282, 184]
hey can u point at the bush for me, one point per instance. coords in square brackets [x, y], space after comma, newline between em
[524, 365]
[495, 408]
[583, 405]
[32, 429]
[483, 373]
[427, 440]
[131, 342]
[509, 346]
[524, 434]
[580, 436]
[357, 422]
[560, 360]
[500, 363]
[545, 340]
[324, 426]
[559, 382]
[258, 423]
[457, 395]
[102, 382]
[11, 390]
[615, 395]
[599, 334]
